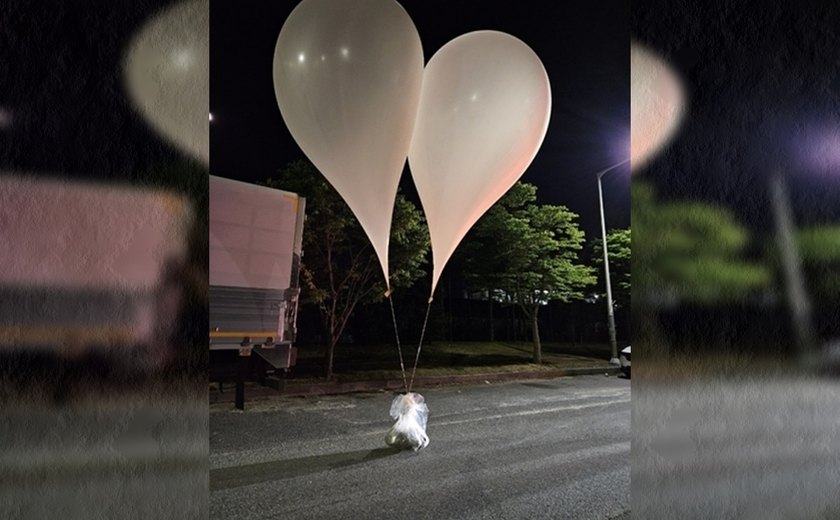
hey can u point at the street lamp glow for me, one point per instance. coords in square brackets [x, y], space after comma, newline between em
[211, 116]
[818, 149]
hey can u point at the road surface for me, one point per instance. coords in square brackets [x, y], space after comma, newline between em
[120, 457]
[538, 449]
[752, 449]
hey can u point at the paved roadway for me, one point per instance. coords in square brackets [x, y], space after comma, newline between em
[538, 449]
[757, 449]
[121, 457]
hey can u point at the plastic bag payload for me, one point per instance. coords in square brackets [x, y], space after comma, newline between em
[411, 413]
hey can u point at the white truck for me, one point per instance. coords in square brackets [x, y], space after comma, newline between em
[90, 266]
[255, 250]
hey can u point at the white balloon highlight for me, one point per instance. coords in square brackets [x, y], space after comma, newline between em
[656, 105]
[167, 75]
[484, 112]
[347, 76]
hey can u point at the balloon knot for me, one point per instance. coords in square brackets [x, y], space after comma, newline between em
[430, 300]
[388, 293]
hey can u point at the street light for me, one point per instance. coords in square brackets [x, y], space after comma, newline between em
[791, 260]
[610, 311]
[819, 152]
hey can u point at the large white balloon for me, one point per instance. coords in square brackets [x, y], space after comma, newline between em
[347, 77]
[656, 105]
[483, 115]
[167, 75]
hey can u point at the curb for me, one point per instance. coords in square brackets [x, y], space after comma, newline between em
[292, 388]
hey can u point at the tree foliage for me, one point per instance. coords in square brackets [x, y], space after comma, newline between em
[690, 252]
[820, 250]
[820, 244]
[618, 251]
[339, 268]
[686, 252]
[527, 254]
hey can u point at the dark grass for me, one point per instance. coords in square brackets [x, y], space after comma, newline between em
[445, 358]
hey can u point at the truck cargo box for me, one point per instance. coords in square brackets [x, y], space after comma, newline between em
[255, 251]
[85, 264]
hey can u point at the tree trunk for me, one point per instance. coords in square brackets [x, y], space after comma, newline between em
[535, 329]
[330, 356]
[332, 337]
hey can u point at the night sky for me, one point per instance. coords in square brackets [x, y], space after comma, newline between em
[763, 81]
[584, 48]
[63, 107]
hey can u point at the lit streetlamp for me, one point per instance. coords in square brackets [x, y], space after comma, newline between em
[610, 310]
[817, 151]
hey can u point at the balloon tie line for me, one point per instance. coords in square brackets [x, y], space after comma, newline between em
[397, 335]
[420, 346]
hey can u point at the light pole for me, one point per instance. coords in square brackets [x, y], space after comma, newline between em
[800, 304]
[610, 311]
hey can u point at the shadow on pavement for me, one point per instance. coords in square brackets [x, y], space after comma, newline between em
[239, 476]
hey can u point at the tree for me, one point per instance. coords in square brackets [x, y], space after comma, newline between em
[618, 250]
[691, 251]
[526, 254]
[686, 252]
[820, 250]
[339, 268]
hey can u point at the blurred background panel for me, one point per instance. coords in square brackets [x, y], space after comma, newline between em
[86, 263]
[103, 259]
[735, 264]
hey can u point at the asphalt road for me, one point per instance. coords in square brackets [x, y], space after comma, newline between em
[122, 457]
[537, 449]
[754, 449]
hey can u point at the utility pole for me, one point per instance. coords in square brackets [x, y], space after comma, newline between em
[610, 310]
[798, 301]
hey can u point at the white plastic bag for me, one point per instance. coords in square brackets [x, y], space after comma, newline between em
[411, 413]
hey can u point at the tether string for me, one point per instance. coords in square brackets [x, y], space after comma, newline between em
[397, 335]
[420, 346]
